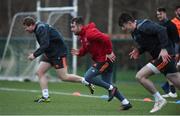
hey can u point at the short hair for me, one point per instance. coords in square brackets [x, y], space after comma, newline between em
[178, 6]
[78, 20]
[161, 9]
[124, 18]
[29, 21]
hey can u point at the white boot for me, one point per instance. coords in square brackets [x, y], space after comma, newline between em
[158, 105]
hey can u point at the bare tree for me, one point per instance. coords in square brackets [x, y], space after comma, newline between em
[9, 11]
[110, 17]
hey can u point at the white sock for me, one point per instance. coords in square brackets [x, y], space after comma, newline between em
[125, 101]
[83, 81]
[111, 87]
[45, 93]
[157, 96]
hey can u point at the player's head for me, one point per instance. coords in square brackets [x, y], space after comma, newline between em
[177, 11]
[127, 22]
[161, 13]
[77, 24]
[29, 24]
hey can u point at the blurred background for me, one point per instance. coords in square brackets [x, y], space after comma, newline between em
[15, 43]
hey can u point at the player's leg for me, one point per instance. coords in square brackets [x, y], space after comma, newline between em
[96, 70]
[41, 73]
[175, 79]
[61, 69]
[172, 92]
[173, 75]
[107, 77]
[142, 76]
[166, 88]
[64, 76]
[169, 89]
[178, 66]
[90, 76]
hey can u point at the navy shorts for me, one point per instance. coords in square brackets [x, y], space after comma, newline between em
[57, 63]
[158, 66]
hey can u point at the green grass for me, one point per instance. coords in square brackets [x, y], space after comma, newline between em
[121, 75]
[129, 76]
[21, 102]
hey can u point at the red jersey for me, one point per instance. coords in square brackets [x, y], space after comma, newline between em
[94, 42]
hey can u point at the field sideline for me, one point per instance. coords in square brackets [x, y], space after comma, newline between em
[17, 98]
[70, 94]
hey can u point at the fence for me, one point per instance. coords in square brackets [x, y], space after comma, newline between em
[16, 65]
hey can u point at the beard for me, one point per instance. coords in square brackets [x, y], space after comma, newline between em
[76, 33]
[30, 31]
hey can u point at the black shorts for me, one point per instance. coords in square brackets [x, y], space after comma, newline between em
[104, 66]
[158, 66]
[57, 63]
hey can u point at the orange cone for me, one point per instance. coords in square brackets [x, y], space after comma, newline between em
[77, 94]
[147, 100]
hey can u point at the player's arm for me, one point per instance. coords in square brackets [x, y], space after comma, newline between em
[174, 32]
[79, 52]
[160, 31]
[82, 51]
[134, 54]
[140, 49]
[111, 56]
[175, 37]
[155, 29]
[44, 41]
[96, 35]
[163, 38]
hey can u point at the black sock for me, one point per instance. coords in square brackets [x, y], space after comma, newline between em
[172, 89]
[166, 87]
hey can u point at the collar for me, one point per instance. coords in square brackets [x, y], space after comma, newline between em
[37, 23]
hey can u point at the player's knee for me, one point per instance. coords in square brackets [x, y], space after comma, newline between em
[138, 77]
[39, 73]
[63, 77]
[88, 79]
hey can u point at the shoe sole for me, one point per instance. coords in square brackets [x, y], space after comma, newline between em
[42, 101]
[169, 96]
[126, 108]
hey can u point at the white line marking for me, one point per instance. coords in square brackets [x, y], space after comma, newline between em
[63, 93]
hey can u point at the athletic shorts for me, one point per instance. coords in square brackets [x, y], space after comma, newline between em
[104, 66]
[158, 66]
[57, 63]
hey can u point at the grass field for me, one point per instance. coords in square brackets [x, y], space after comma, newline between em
[17, 98]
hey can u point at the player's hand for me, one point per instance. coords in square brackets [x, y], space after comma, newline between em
[165, 56]
[74, 52]
[111, 57]
[31, 56]
[177, 57]
[134, 54]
